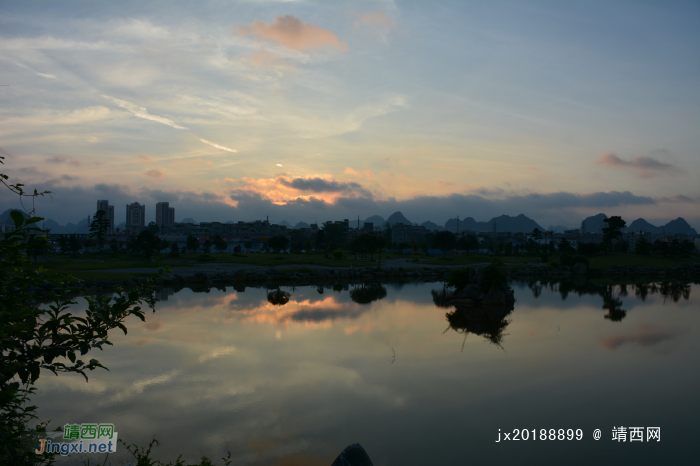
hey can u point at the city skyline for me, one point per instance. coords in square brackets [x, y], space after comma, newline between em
[308, 111]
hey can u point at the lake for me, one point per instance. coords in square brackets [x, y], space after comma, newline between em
[294, 377]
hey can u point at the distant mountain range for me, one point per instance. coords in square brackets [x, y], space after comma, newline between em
[596, 223]
[504, 223]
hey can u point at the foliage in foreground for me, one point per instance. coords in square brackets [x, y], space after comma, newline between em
[33, 339]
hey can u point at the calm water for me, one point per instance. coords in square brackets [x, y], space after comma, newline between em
[294, 384]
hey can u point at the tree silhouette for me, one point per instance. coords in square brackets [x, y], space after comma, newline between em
[278, 243]
[220, 244]
[444, 240]
[192, 243]
[99, 227]
[612, 231]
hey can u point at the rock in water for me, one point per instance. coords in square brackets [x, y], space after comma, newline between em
[353, 455]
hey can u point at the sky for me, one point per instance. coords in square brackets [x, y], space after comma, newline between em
[315, 111]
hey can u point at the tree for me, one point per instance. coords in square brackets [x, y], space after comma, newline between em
[248, 245]
[565, 247]
[89, 243]
[278, 243]
[237, 249]
[468, 242]
[444, 240]
[612, 232]
[643, 247]
[36, 338]
[192, 243]
[320, 239]
[145, 243]
[206, 247]
[74, 244]
[174, 248]
[220, 244]
[99, 227]
[114, 245]
[63, 244]
[153, 228]
[536, 235]
[36, 245]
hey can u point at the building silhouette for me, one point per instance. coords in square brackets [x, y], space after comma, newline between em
[109, 213]
[135, 216]
[165, 215]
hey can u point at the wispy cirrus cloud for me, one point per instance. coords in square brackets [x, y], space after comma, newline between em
[213, 144]
[292, 33]
[644, 167]
[142, 112]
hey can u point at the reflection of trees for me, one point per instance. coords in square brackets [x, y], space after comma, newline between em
[611, 294]
[674, 290]
[442, 298]
[368, 292]
[278, 297]
[613, 303]
[489, 322]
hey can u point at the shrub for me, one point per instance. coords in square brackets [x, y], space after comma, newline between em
[459, 278]
[337, 254]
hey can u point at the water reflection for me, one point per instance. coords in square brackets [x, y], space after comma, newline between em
[278, 297]
[285, 375]
[612, 294]
[368, 292]
[489, 322]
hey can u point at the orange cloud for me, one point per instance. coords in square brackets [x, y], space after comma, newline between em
[644, 167]
[265, 59]
[144, 158]
[292, 33]
[283, 189]
[646, 335]
[157, 174]
[367, 173]
[376, 19]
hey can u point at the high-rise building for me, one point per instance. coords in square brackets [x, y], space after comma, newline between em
[109, 213]
[135, 215]
[165, 215]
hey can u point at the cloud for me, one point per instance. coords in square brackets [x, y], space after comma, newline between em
[5, 153]
[265, 59]
[157, 174]
[47, 76]
[646, 335]
[63, 159]
[375, 19]
[319, 185]
[144, 158]
[217, 353]
[142, 112]
[645, 167]
[213, 144]
[292, 33]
